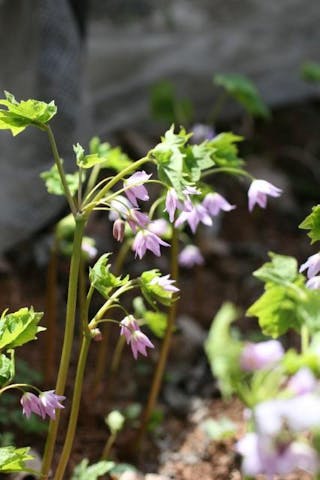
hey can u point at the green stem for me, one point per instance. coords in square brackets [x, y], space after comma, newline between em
[73, 419]
[67, 341]
[304, 338]
[160, 368]
[231, 170]
[117, 354]
[58, 163]
[108, 446]
[218, 107]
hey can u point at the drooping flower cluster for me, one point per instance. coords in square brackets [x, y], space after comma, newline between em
[312, 265]
[138, 341]
[44, 404]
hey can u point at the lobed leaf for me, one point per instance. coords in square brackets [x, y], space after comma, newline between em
[13, 459]
[102, 279]
[84, 471]
[281, 270]
[312, 223]
[19, 327]
[53, 181]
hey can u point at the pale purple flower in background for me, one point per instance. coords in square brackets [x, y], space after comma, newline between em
[172, 203]
[137, 219]
[119, 207]
[256, 356]
[50, 401]
[89, 249]
[190, 256]
[146, 240]
[312, 265]
[258, 192]
[31, 404]
[139, 343]
[202, 132]
[135, 188]
[165, 282]
[118, 230]
[198, 214]
[313, 283]
[128, 325]
[302, 382]
[214, 203]
[264, 455]
[159, 227]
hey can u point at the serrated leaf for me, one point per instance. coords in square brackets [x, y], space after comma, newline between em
[222, 350]
[310, 72]
[244, 91]
[225, 150]
[7, 369]
[152, 291]
[19, 115]
[13, 459]
[102, 279]
[86, 161]
[198, 158]
[53, 181]
[156, 321]
[84, 471]
[276, 310]
[312, 223]
[281, 270]
[19, 327]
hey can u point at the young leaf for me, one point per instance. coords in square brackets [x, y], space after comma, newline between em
[152, 291]
[311, 72]
[13, 459]
[19, 327]
[281, 270]
[244, 91]
[111, 157]
[102, 279]
[312, 223]
[156, 321]
[84, 471]
[86, 161]
[225, 150]
[19, 115]
[7, 369]
[53, 181]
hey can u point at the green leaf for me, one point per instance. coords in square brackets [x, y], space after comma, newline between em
[111, 157]
[86, 161]
[293, 361]
[225, 150]
[115, 421]
[19, 327]
[281, 270]
[156, 321]
[222, 350]
[276, 310]
[198, 158]
[312, 223]
[54, 184]
[19, 115]
[244, 91]
[152, 291]
[102, 279]
[219, 429]
[7, 369]
[13, 459]
[84, 471]
[310, 72]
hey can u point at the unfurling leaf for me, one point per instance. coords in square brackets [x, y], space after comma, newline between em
[19, 327]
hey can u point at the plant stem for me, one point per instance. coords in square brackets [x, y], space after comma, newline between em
[73, 419]
[58, 163]
[160, 368]
[231, 170]
[67, 341]
[218, 107]
[304, 338]
[108, 445]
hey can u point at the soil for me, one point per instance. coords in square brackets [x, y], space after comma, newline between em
[286, 151]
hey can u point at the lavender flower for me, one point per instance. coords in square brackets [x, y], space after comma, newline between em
[118, 230]
[214, 203]
[190, 256]
[165, 282]
[256, 356]
[31, 404]
[302, 382]
[198, 214]
[314, 283]
[312, 265]
[159, 227]
[172, 203]
[50, 401]
[258, 191]
[137, 219]
[128, 325]
[134, 188]
[139, 343]
[202, 132]
[146, 240]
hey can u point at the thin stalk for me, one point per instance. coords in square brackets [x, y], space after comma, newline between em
[67, 341]
[74, 414]
[218, 107]
[231, 170]
[58, 163]
[165, 347]
[117, 354]
[304, 338]
[108, 446]
[50, 340]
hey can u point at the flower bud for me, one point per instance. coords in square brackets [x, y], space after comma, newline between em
[118, 230]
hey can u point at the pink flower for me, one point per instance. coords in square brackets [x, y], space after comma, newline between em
[172, 203]
[134, 188]
[139, 343]
[118, 229]
[165, 282]
[146, 240]
[197, 214]
[137, 219]
[214, 203]
[302, 382]
[190, 256]
[31, 404]
[159, 226]
[312, 265]
[313, 283]
[50, 401]
[258, 191]
[128, 325]
[256, 356]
